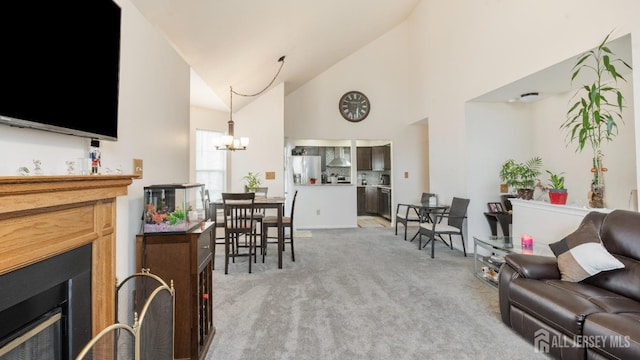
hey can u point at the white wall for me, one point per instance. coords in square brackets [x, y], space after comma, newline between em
[153, 125]
[494, 133]
[263, 122]
[380, 71]
[463, 49]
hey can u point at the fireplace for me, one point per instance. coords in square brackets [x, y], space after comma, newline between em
[57, 268]
[57, 292]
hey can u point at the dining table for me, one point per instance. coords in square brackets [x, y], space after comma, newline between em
[424, 211]
[273, 202]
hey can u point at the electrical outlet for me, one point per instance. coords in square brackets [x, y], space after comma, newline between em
[137, 168]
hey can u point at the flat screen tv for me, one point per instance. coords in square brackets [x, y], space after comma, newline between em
[60, 66]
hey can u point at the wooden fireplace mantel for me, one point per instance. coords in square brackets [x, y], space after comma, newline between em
[44, 216]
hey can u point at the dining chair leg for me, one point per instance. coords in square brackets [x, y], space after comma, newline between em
[433, 241]
[250, 248]
[213, 251]
[464, 249]
[255, 248]
[293, 257]
[226, 254]
[263, 242]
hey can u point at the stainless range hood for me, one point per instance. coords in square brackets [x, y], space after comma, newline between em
[339, 160]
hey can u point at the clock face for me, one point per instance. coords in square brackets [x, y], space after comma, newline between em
[354, 106]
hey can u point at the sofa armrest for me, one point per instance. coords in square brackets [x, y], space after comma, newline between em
[522, 266]
[533, 266]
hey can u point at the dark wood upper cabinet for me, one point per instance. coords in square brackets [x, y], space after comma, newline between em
[381, 158]
[364, 158]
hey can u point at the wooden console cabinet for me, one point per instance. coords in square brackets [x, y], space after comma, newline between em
[185, 259]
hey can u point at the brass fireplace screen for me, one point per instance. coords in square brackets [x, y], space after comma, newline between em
[150, 335]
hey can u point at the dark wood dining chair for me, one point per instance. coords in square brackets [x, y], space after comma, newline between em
[239, 227]
[272, 222]
[455, 216]
[406, 213]
[259, 214]
[217, 216]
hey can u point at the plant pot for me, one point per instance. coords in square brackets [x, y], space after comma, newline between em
[558, 196]
[525, 194]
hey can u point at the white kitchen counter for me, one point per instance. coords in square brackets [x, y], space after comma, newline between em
[326, 206]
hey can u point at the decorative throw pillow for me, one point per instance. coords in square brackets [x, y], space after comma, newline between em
[581, 254]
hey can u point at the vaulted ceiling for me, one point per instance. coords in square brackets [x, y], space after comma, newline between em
[238, 42]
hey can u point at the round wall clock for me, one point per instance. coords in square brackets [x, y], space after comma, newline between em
[354, 106]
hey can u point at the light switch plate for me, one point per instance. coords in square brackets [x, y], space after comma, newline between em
[270, 175]
[137, 168]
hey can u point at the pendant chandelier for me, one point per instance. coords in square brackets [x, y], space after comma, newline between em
[229, 142]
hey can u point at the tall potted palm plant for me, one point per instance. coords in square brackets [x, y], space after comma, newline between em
[593, 116]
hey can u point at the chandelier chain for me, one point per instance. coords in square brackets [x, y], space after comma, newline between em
[281, 61]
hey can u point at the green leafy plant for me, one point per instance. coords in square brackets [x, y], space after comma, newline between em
[253, 181]
[593, 117]
[521, 175]
[556, 181]
[176, 216]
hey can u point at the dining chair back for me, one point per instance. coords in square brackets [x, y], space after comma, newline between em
[216, 214]
[455, 216]
[239, 227]
[406, 213]
[287, 223]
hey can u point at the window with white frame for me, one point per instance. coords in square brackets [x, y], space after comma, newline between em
[211, 164]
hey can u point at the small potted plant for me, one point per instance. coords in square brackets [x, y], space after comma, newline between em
[253, 181]
[557, 191]
[521, 176]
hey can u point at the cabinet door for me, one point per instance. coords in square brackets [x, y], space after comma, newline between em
[377, 158]
[371, 200]
[386, 157]
[364, 158]
[381, 158]
[361, 201]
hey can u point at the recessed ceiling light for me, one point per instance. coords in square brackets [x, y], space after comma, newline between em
[528, 97]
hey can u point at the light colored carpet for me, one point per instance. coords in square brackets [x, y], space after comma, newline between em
[359, 294]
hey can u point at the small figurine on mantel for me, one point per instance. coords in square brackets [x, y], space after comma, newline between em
[95, 155]
[37, 170]
[71, 167]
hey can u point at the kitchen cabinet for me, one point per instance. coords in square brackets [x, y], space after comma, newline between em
[364, 158]
[186, 260]
[361, 200]
[371, 199]
[381, 158]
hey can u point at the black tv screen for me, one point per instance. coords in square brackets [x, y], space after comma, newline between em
[60, 66]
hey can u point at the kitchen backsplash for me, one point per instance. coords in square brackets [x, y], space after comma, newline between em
[372, 177]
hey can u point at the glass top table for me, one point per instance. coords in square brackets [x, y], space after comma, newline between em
[486, 268]
[510, 245]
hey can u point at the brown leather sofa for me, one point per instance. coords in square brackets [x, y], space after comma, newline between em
[596, 318]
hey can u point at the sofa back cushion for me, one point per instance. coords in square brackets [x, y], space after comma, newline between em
[620, 235]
